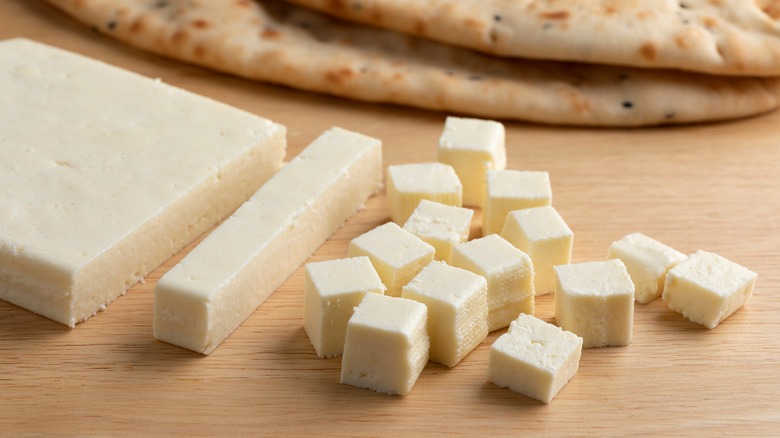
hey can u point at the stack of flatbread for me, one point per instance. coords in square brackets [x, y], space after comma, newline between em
[575, 62]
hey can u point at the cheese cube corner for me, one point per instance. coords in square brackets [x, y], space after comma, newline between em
[397, 255]
[541, 233]
[387, 344]
[509, 190]
[509, 274]
[472, 147]
[331, 291]
[534, 358]
[595, 300]
[408, 184]
[647, 261]
[707, 288]
[441, 226]
[457, 309]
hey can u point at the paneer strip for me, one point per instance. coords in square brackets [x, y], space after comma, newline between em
[204, 298]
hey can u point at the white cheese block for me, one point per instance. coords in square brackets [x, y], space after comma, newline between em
[472, 147]
[106, 174]
[441, 226]
[509, 273]
[534, 358]
[457, 309]
[595, 300]
[647, 261]
[707, 288]
[331, 291]
[201, 300]
[408, 184]
[387, 344]
[397, 255]
[509, 190]
[541, 233]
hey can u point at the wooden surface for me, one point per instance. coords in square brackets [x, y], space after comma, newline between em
[712, 187]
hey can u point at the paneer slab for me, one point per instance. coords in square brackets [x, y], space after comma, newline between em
[201, 300]
[106, 174]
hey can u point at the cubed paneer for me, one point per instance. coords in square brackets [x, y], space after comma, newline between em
[707, 288]
[595, 300]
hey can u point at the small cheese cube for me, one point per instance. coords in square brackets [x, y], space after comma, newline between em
[457, 309]
[387, 344]
[509, 273]
[441, 226]
[472, 147]
[647, 262]
[534, 358]
[397, 255]
[707, 288]
[541, 233]
[509, 190]
[408, 184]
[595, 300]
[331, 291]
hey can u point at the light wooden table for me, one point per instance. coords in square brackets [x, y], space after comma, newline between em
[710, 186]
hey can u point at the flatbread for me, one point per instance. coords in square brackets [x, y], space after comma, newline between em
[731, 37]
[274, 41]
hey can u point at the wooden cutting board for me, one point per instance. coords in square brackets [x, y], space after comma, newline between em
[711, 187]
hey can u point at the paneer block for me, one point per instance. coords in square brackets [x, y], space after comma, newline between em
[647, 262]
[707, 288]
[387, 344]
[541, 233]
[331, 291]
[457, 309]
[408, 184]
[509, 273]
[472, 147]
[211, 291]
[509, 190]
[105, 174]
[534, 358]
[441, 226]
[397, 255]
[595, 300]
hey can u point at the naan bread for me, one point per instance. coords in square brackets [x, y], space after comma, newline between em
[273, 41]
[729, 37]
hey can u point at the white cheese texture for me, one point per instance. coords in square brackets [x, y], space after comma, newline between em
[541, 233]
[408, 184]
[106, 174]
[647, 261]
[207, 295]
[509, 190]
[397, 255]
[472, 147]
[534, 358]
[509, 273]
[442, 226]
[387, 344]
[595, 300]
[707, 288]
[331, 291]
[457, 309]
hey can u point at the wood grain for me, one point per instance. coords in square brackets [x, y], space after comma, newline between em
[712, 187]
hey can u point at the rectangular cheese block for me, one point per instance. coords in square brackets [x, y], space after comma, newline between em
[106, 174]
[201, 300]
